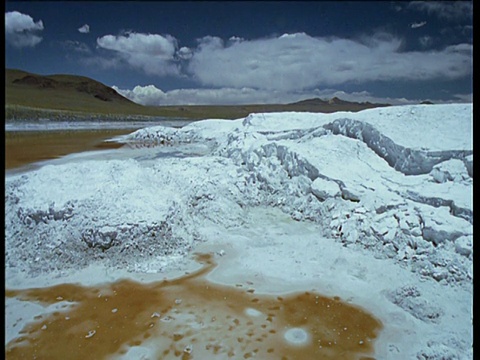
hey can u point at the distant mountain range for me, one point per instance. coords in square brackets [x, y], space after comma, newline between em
[29, 95]
[335, 101]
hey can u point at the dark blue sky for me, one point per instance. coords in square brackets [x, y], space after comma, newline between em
[398, 50]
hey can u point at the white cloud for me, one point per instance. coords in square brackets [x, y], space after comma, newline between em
[85, 29]
[151, 95]
[294, 62]
[184, 53]
[152, 53]
[235, 39]
[210, 43]
[417, 25]
[275, 69]
[447, 10]
[20, 29]
[144, 95]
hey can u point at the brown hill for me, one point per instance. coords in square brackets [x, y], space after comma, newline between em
[335, 103]
[63, 92]
[82, 85]
[32, 96]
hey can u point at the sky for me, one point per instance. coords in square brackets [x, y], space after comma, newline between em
[234, 52]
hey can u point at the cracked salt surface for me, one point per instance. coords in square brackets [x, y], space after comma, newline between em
[374, 207]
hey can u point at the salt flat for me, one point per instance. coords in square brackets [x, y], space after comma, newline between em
[375, 207]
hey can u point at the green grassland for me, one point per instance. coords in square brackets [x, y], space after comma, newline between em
[60, 97]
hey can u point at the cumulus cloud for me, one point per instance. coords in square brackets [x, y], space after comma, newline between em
[446, 10]
[235, 39]
[85, 29]
[417, 25]
[21, 30]
[151, 95]
[294, 62]
[274, 69]
[210, 43]
[152, 53]
[184, 53]
[143, 95]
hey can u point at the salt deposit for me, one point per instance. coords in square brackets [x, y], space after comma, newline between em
[375, 207]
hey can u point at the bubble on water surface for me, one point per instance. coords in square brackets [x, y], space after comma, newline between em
[296, 336]
[253, 312]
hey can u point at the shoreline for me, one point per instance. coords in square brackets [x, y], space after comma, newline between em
[30, 142]
[25, 148]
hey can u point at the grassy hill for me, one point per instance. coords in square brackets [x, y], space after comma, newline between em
[30, 93]
[58, 97]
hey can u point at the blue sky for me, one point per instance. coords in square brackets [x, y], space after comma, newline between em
[236, 52]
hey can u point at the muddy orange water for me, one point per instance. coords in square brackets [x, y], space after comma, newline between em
[25, 147]
[191, 318]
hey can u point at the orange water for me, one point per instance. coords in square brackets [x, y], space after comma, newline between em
[25, 147]
[191, 318]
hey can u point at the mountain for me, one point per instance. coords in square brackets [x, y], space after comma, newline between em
[64, 92]
[67, 83]
[334, 104]
[310, 102]
[317, 102]
[57, 97]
